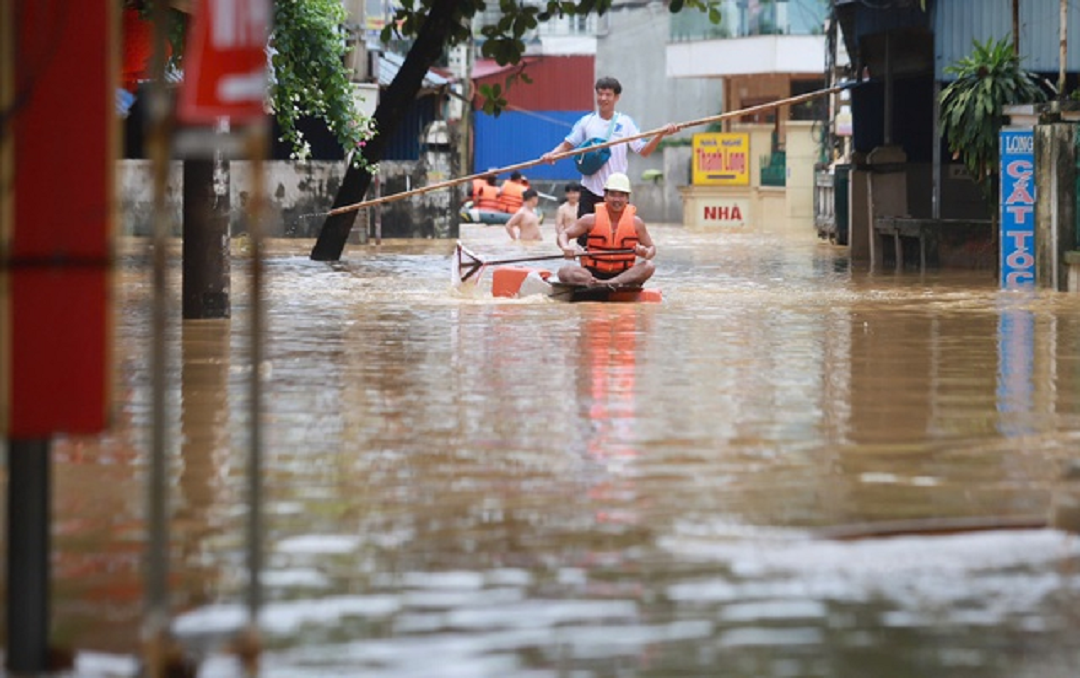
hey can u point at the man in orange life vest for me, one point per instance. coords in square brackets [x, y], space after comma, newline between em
[614, 226]
[485, 193]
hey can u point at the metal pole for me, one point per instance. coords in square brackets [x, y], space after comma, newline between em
[156, 628]
[251, 645]
[935, 163]
[378, 213]
[28, 570]
[888, 91]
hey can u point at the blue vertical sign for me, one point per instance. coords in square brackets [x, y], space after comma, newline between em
[1017, 208]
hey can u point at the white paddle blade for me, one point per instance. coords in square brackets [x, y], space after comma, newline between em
[465, 267]
[455, 267]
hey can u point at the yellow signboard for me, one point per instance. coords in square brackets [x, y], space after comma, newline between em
[721, 159]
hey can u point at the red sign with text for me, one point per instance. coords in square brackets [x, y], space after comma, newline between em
[225, 62]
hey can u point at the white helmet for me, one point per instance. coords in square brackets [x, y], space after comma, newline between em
[617, 182]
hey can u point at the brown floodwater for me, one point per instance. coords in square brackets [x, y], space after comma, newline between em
[462, 486]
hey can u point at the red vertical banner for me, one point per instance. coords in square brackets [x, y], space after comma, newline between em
[225, 62]
[59, 80]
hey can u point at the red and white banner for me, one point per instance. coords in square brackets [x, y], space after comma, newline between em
[225, 62]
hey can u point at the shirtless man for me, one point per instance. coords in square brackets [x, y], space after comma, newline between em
[525, 224]
[614, 226]
[568, 211]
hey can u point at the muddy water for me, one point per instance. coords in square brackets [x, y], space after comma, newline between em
[459, 486]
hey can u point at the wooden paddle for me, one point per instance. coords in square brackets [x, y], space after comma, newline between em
[466, 264]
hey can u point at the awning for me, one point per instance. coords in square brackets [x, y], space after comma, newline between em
[485, 68]
[390, 64]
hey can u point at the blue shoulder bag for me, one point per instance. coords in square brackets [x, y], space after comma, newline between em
[592, 161]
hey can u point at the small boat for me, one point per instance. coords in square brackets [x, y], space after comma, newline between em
[474, 215]
[519, 281]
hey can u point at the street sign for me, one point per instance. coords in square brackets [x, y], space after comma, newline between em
[721, 159]
[225, 62]
[1017, 208]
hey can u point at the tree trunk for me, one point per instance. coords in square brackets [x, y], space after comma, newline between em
[393, 104]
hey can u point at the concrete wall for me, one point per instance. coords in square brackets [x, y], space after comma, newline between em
[301, 193]
[1055, 203]
[802, 154]
[634, 51]
[767, 205]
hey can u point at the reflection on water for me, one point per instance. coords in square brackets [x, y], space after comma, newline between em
[463, 486]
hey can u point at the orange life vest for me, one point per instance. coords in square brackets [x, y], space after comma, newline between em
[604, 237]
[510, 198]
[487, 198]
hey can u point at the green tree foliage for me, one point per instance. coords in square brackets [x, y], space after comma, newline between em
[310, 77]
[971, 106]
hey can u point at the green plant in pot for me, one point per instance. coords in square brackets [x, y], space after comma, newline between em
[972, 108]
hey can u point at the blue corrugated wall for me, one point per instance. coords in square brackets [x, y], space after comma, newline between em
[957, 22]
[405, 142]
[516, 137]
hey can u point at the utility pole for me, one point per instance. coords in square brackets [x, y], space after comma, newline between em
[1064, 33]
[356, 59]
[1016, 27]
[365, 95]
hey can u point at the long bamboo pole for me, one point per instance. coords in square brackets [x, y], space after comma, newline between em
[578, 151]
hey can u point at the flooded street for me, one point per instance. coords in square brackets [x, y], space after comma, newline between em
[747, 479]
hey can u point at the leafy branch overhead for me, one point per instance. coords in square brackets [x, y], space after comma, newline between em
[502, 33]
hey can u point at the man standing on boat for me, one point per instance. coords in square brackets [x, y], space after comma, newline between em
[616, 237]
[608, 125]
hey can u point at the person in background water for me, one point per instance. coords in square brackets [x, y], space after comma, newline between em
[485, 194]
[484, 207]
[510, 193]
[567, 213]
[596, 125]
[614, 226]
[525, 224]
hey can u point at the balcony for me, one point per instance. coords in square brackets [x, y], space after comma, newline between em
[748, 18]
[754, 37]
